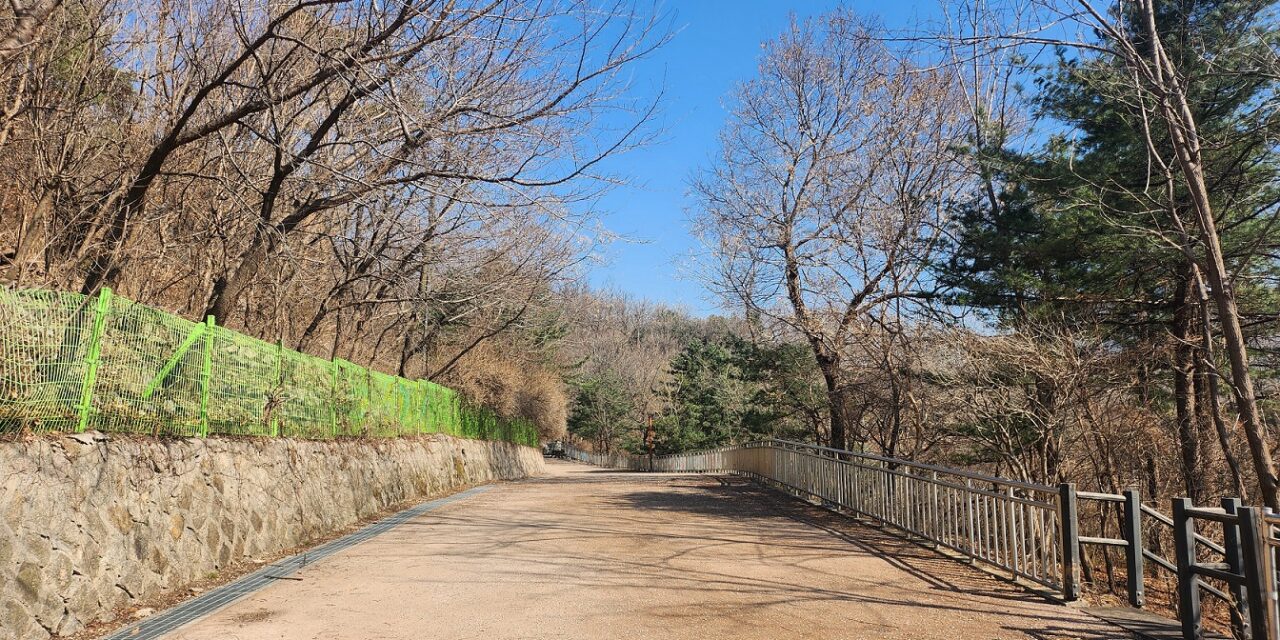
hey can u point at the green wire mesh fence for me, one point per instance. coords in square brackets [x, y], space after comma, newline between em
[70, 362]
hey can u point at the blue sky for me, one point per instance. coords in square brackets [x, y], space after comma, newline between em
[716, 46]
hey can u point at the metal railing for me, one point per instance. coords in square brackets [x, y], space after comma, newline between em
[611, 460]
[1030, 530]
[1014, 525]
[1246, 567]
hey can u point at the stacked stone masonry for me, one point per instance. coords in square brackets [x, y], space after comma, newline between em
[91, 524]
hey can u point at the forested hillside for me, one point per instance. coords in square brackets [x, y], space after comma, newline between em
[392, 185]
[1010, 245]
[988, 241]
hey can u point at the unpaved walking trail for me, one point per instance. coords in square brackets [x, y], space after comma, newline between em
[587, 553]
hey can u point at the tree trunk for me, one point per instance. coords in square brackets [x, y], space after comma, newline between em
[1209, 376]
[1236, 348]
[895, 415]
[228, 289]
[1185, 140]
[1184, 396]
[835, 400]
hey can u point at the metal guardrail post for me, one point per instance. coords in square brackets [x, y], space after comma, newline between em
[1184, 543]
[1069, 520]
[1259, 574]
[1134, 562]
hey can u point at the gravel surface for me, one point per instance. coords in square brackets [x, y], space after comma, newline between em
[587, 554]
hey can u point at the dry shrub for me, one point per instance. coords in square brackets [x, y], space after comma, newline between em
[542, 399]
[514, 389]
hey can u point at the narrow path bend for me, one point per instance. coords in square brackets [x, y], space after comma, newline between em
[592, 554]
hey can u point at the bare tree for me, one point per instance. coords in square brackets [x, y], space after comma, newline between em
[823, 207]
[400, 185]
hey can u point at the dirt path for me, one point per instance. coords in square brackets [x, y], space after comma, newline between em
[592, 554]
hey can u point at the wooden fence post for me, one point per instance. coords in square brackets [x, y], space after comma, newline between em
[1235, 564]
[1259, 574]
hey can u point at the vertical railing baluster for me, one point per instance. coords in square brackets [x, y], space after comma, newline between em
[968, 517]
[935, 531]
[1014, 553]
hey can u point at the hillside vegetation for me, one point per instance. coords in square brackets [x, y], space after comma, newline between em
[1049, 258]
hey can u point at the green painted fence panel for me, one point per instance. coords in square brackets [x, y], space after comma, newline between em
[306, 396]
[44, 344]
[137, 342]
[70, 362]
[244, 390]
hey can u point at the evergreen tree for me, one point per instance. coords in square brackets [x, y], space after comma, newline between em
[1087, 227]
[725, 388]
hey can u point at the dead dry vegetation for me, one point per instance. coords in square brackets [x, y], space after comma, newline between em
[1034, 238]
[395, 185]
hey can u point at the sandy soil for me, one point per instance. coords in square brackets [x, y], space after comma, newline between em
[588, 553]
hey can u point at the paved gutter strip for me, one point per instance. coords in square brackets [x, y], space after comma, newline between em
[161, 623]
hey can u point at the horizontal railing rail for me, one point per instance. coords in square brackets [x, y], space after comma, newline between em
[899, 462]
[1030, 530]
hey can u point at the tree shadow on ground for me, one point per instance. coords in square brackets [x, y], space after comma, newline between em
[739, 498]
[613, 532]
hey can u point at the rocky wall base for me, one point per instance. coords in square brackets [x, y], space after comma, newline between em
[90, 524]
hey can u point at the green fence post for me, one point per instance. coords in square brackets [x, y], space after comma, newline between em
[333, 401]
[92, 357]
[400, 421]
[367, 402]
[205, 370]
[425, 394]
[278, 401]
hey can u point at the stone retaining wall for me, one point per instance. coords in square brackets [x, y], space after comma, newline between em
[90, 524]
